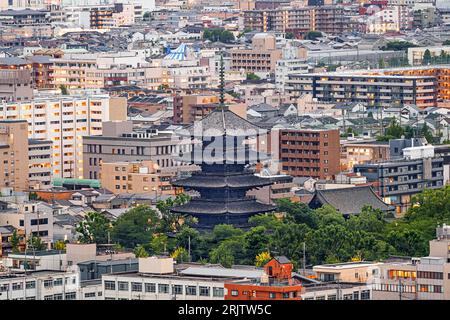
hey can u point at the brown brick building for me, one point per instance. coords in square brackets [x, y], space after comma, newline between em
[307, 152]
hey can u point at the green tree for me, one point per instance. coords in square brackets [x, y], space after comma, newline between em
[222, 232]
[60, 245]
[140, 252]
[93, 228]
[180, 255]
[252, 76]
[290, 35]
[159, 243]
[15, 240]
[426, 57]
[36, 243]
[398, 46]
[313, 35]
[64, 90]
[172, 221]
[256, 240]
[446, 43]
[136, 226]
[288, 240]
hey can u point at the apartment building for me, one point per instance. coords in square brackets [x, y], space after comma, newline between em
[136, 177]
[14, 154]
[440, 73]
[39, 285]
[157, 279]
[120, 142]
[40, 68]
[24, 18]
[30, 218]
[350, 272]
[360, 152]
[370, 90]
[424, 278]
[40, 154]
[299, 20]
[64, 120]
[262, 57]
[306, 152]
[16, 85]
[184, 107]
[397, 180]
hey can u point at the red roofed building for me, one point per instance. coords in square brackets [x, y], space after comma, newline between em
[276, 284]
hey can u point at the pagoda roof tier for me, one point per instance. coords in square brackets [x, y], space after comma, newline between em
[241, 206]
[241, 155]
[243, 181]
[222, 122]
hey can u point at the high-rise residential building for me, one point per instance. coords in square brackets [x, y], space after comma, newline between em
[370, 90]
[40, 154]
[64, 120]
[14, 154]
[300, 20]
[306, 152]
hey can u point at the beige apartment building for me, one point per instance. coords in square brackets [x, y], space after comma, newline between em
[14, 154]
[64, 120]
[136, 177]
[360, 272]
[16, 85]
[40, 163]
[261, 57]
[424, 278]
[360, 152]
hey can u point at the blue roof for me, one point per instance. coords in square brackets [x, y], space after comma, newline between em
[179, 53]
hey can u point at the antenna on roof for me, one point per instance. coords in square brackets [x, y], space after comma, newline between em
[222, 83]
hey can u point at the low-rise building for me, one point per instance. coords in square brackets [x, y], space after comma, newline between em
[136, 177]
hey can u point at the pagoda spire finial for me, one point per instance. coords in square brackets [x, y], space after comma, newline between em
[222, 83]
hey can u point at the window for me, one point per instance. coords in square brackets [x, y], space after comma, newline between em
[204, 291]
[58, 296]
[48, 283]
[50, 297]
[191, 290]
[286, 296]
[150, 287]
[110, 285]
[71, 296]
[272, 295]
[332, 297]
[30, 284]
[217, 292]
[348, 296]
[89, 295]
[58, 282]
[365, 295]
[4, 287]
[17, 286]
[177, 289]
[123, 286]
[163, 288]
[136, 287]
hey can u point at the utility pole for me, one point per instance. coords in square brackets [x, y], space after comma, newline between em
[304, 259]
[189, 248]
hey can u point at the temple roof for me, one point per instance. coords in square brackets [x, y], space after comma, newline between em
[350, 200]
[220, 181]
[222, 122]
[241, 155]
[244, 206]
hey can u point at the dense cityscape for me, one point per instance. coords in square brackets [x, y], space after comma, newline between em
[224, 150]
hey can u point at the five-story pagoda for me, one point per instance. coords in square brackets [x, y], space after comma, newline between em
[221, 148]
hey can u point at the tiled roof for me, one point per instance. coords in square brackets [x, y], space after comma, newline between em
[351, 200]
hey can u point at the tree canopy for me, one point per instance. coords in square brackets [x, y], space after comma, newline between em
[327, 236]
